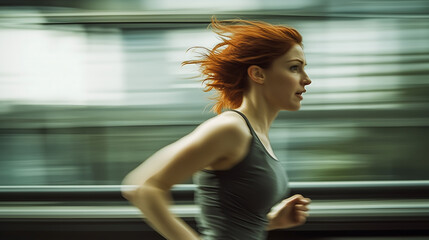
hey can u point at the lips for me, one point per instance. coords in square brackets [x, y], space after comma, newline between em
[299, 94]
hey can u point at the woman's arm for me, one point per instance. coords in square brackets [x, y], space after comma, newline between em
[153, 203]
[222, 138]
[291, 212]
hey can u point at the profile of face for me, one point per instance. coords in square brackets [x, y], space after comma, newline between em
[285, 80]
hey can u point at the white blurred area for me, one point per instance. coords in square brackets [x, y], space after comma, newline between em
[49, 66]
[357, 63]
[69, 66]
[89, 89]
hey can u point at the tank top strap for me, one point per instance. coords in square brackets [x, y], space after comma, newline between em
[247, 121]
[258, 141]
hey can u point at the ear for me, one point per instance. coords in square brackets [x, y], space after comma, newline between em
[256, 74]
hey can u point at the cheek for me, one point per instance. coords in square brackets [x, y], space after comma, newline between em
[279, 90]
[282, 82]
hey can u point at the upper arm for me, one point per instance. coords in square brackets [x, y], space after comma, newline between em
[218, 138]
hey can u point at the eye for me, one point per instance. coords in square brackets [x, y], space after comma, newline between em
[294, 68]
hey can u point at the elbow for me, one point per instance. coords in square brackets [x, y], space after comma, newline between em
[145, 197]
[128, 188]
[133, 193]
[137, 194]
[128, 194]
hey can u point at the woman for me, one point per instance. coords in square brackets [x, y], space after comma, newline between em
[258, 70]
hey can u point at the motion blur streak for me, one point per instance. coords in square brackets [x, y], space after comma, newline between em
[89, 89]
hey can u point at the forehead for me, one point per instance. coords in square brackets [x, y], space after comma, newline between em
[295, 53]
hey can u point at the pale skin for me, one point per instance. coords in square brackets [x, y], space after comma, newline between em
[219, 144]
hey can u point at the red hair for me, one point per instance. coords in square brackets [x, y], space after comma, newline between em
[244, 43]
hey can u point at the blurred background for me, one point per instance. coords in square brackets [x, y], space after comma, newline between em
[90, 89]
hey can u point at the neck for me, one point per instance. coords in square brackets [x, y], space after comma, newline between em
[258, 111]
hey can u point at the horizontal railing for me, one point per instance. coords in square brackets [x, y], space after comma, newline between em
[185, 192]
[345, 206]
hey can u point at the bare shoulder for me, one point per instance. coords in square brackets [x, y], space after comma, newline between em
[229, 133]
[218, 143]
[227, 125]
[229, 121]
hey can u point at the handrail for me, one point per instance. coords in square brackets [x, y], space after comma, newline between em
[185, 192]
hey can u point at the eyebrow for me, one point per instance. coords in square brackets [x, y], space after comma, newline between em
[296, 59]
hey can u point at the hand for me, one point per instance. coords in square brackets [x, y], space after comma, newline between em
[291, 212]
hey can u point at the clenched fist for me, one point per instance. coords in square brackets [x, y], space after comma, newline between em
[291, 212]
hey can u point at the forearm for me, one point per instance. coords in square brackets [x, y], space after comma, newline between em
[270, 226]
[153, 203]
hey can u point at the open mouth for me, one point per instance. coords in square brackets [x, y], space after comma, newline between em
[299, 94]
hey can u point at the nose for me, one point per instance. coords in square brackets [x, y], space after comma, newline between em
[307, 80]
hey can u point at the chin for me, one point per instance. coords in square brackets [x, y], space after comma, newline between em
[292, 108]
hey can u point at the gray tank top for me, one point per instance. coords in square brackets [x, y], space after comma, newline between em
[235, 202]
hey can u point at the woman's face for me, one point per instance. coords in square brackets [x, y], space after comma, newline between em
[285, 80]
